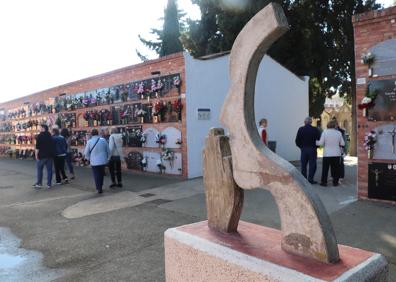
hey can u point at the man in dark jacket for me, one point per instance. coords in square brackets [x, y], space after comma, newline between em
[306, 141]
[60, 156]
[45, 150]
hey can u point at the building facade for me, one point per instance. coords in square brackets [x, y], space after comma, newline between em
[163, 107]
[375, 58]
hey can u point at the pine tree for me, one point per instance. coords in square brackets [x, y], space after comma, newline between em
[167, 39]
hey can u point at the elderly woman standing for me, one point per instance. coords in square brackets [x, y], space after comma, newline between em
[333, 143]
[116, 156]
[98, 153]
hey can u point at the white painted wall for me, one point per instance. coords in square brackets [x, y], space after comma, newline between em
[281, 97]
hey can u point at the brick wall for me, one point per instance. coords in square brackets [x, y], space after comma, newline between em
[370, 29]
[171, 64]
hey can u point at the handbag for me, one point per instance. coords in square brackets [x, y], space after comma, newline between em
[90, 151]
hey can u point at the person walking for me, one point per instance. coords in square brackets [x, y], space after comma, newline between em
[60, 156]
[263, 130]
[333, 143]
[306, 138]
[69, 153]
[44, 153]
[98, 153]
[116, 156]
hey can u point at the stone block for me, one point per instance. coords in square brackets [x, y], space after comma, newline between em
[197, 253]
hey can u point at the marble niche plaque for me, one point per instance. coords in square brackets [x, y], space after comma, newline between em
[385, 58]
[152, 158]
[173, 136]
[385, 148]
[151, 134]
[385, 103]
[382, 181]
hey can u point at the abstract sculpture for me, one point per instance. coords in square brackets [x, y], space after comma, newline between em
[242, 161]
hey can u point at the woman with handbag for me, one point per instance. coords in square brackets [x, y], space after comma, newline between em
[98, 153]
[116, 155]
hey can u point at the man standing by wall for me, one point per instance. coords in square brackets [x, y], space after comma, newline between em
[45, 151]
[306, 141]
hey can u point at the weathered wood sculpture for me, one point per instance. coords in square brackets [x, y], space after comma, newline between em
[306, 227]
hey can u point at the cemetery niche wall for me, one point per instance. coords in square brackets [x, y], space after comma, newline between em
[133, 100]
[375, 55]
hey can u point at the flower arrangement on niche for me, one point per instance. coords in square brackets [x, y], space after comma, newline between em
[143, 139]
[161, 166]
[368, 100]
[143, 163]
[160, 139]
[370, 139]
[177, 107]
[140, 89]
[368, 59]
[141, 114]
[176, 81]
[168, 155]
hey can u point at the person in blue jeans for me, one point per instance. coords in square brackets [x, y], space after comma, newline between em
[69, 155]
[98, 153]
[45, 152]
[306, 138]
[60, 155]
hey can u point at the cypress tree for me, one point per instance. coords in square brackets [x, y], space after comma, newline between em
[171, 31]
[168, 41]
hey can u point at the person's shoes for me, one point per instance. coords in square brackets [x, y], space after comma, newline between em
[312, 182]
[65, 181]
[119, 185]
[335, 184]
[58, 183]
[73, 177]
[323, 184]
[49, 186]
[100, 191]
[112, 185]
[37, 186]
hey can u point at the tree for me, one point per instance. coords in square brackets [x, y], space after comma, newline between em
[168, 41]
[320, 42]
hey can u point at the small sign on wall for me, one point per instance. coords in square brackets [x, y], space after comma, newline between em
[361, 81]
[203, 114]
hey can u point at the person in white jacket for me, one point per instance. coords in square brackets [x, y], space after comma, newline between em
[116, 156]
[333, 143]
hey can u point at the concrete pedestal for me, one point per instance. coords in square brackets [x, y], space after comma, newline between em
[196, 253]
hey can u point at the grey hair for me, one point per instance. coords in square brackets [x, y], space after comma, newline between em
[308, 120]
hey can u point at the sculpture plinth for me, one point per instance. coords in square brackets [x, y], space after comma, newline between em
[196, 253]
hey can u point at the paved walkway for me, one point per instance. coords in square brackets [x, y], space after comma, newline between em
[119, 236]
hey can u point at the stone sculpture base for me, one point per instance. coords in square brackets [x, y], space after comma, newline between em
[197, 253]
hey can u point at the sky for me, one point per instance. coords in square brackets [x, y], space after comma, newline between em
[46, 43]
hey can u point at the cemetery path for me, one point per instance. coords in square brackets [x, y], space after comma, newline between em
[119, 237]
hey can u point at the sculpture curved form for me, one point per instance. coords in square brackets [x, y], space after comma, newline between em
[305, 224]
